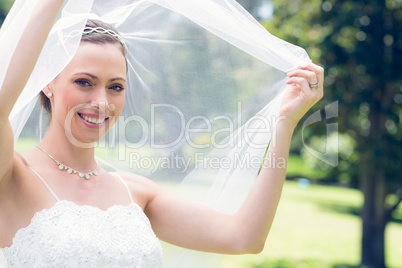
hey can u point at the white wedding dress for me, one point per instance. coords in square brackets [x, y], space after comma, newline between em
[71, 235]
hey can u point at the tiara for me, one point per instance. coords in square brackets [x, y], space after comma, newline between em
[101, 30]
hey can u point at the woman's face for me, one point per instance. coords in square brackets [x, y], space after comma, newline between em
[88, 95]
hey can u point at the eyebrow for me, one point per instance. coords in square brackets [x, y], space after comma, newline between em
[117, 78]
[95, 77]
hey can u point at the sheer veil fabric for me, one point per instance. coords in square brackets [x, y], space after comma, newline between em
[205, 82]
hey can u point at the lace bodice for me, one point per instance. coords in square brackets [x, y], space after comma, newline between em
[71, 235]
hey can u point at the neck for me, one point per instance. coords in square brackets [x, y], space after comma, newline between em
[59, 146]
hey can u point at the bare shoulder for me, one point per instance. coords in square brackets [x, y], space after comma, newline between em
[142, 189]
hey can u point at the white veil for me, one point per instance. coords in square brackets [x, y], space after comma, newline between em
[204, 90]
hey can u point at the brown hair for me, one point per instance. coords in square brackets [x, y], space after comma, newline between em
[92, 37]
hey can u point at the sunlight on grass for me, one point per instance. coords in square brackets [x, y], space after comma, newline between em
[298, 167]
[318, 227]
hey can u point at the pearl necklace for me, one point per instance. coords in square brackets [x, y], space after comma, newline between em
[69, 170]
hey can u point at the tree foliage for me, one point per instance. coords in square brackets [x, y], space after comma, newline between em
[360, 45]
[4, 7]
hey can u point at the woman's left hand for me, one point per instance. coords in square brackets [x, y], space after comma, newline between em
[305, 88]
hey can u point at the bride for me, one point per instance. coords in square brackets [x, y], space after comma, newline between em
[85, 216]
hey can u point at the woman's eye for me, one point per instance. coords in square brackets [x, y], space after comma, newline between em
[116, 87]
[83, 82]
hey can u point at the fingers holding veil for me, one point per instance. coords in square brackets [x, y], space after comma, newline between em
[310, 77]
[305, 88]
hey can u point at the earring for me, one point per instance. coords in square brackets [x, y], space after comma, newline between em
[50, 94]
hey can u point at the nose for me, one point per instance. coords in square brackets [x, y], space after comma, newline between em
[101, 104]
[100, 101]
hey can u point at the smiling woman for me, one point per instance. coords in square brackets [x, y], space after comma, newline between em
[59, 208]
[89, 93]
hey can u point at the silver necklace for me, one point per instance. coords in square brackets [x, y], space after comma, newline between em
[70, 170]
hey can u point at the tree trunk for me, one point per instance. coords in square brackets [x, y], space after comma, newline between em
[374, 215]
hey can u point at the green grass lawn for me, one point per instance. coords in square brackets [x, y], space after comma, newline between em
[297, 167]
[317, 227]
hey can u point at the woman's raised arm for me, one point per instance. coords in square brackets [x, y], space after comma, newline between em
[197, 227]
[21, 66]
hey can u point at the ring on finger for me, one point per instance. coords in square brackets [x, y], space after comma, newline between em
[316, 84]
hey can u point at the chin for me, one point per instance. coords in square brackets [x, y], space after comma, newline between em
[85, 138]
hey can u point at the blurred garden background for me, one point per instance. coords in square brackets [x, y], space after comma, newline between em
[349, 214]
[346, 213]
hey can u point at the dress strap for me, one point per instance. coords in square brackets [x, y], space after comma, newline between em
[125, 184]
[47, 185]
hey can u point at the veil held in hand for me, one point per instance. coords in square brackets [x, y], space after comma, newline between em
[204, 88]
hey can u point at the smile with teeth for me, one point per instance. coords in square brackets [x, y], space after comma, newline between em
[92, 119]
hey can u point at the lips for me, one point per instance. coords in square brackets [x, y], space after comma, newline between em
[93, 120]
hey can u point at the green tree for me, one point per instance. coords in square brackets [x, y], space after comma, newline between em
[360, 45]
[4, 7]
